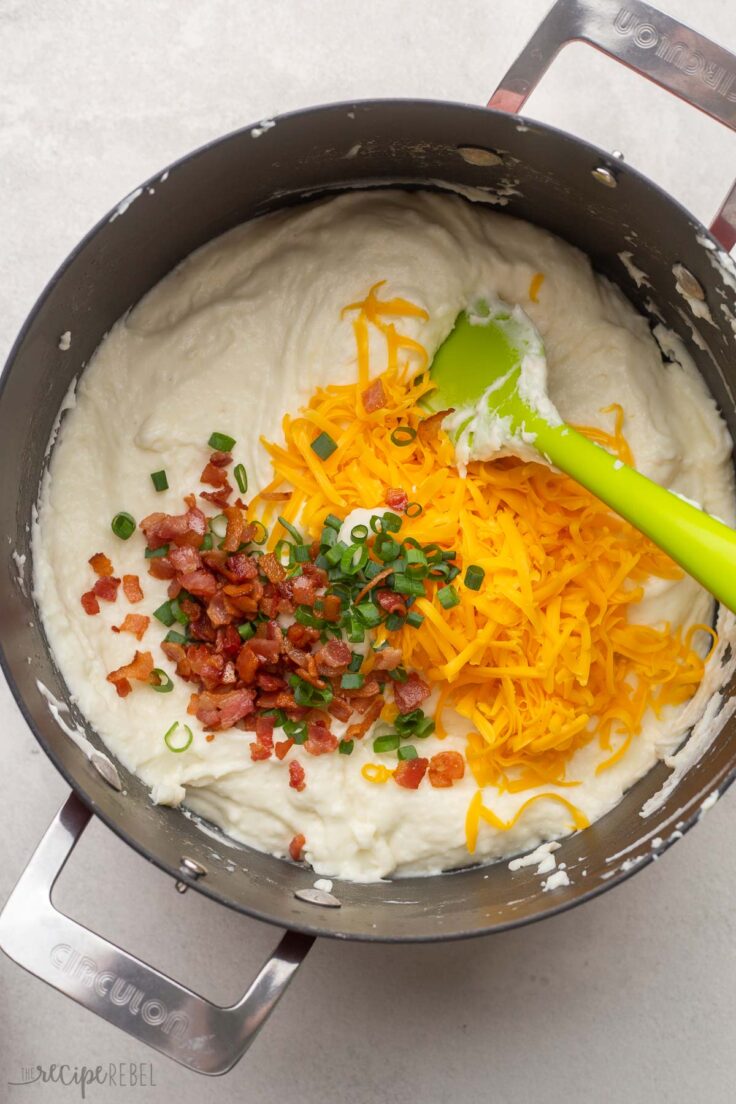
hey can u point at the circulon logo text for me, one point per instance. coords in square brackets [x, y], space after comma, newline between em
[118, 991]
[677, 53]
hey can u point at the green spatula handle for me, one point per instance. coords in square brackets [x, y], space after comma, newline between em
[702, 545]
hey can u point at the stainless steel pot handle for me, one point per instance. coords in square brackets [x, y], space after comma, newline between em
[121, 988]
[655, 45]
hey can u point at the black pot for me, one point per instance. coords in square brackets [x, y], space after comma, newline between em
[578, 192]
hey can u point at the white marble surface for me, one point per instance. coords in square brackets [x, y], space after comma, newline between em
[630, 998]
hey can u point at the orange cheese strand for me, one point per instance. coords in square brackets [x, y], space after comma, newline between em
[477, 811]
[544, 657]
[534, 285]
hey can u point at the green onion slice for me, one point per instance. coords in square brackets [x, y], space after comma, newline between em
[414, 509]
[177, 612]
[159, 480]
[221, 442]
[352, 681]
[156, 553]
[407, 752]
[448, 597]
[175, 637]
[332, 522]
[164, 614]
[241, 477]
[324, 446]
[389, 742]
[293, 533]
[403, 435]
[474, 577]
[123, 525]
[261, 534]
[354, 559]
[169, 738]
[164, 684]
[345, 747]
[414, 618]
[246, 630]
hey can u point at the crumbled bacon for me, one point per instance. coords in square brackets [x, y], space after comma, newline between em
[387, 659]
[90, 603]
[374, 397]
[220, 497]
[264, 731]
[179, 529]
[297, 778]
[214, 475]
[100, 564]
[397, 499]
[139, 669]
[391, 602]
[202, 583]
[135, 623]
[221, 459]
[185, 560]
[238, 531]
[445, 768]
[333, 656]
[223, 709]
[428, 427]
[132, 588]
[271, 568]
[282, 748]
[161, 568]
[409, 695]
[107, 588]
[259, 752]
[410, 773]
[296, 847]
[358, 731]
[320, 741]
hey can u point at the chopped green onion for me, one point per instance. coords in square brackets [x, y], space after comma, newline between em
[448, 597]
[169, 741]
[403, 435]
[218, 525]
[246, 630]
[177, 612]
[156, 553]
[407, 752]
[164, 684]
[123, 525]
[328, 539]
[389, 742]
[221, 442]
[283, 547]
[241, 477]
[353, 559]
[391, 522]
[355, 630]
[356, 662]
[261, 534]
[293, 533]
[413, 509]
[159, 480]
[175, 637]
[295, 730]
[301, 553]
[351, 681]
[164, 614]
[398, 674]
[333, 522]
[387, 549]
[334, 555]
[394, 622]
[403, 584]
[369, 614]
[449, 555]
[474, 577]
[376, 523]
[415, 556]
[414, 618]
[206, 545]
[359, 533]
[345, 747]
[324, 446]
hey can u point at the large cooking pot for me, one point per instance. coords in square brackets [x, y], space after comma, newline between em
[580, 193]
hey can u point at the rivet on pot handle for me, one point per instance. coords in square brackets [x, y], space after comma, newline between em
[121, 988]
[655, 45]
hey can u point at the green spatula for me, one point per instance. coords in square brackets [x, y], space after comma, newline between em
[483, 358]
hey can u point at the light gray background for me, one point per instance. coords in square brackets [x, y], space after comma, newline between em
[631, 998]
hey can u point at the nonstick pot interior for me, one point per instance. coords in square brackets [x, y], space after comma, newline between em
[537, 173]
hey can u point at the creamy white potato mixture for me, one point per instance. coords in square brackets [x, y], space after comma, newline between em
[242, 332]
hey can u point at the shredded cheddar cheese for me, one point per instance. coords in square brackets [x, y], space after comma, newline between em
[534, 285]
[543, 658]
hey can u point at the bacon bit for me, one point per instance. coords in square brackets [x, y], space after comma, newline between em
[331, 608]
[264, 731]
[202, 583]
[180, 529]
[220, 497]
[161, 568]
[132, 588]
[219, 611]
[271, 568]
[107, 588]
[185, 559]
[410, 773]
[135, 623]
[428, 427]
[236, 523]
[224, 709]
[445, 768]
[275, 496]
[374, 397]
[259, 752]
[209, 737]
[333, 655]
[139, 668]
[409, 695]
[373, 582]
[228, 641]
[340, 708]
[221, 459]
[304, 591]
[296, 847]
[282, 748]
[358, 731]
[387, 659]
[247, 664]
[320, 741]
[90, 603]
[391, 602]
[397, 499]
[297, 776]
[214, 475]
[240, 568]
[100, 564]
